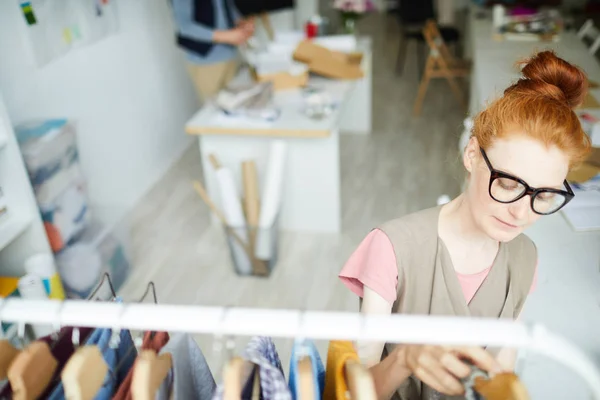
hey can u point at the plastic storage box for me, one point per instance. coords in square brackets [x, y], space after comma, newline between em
[50, 153]
[96, 250]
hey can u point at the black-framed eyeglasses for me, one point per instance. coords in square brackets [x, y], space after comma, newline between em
[505, 188]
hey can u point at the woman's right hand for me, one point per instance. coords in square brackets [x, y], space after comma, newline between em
[441, 367]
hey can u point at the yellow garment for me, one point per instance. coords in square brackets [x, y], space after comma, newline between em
[335, 378]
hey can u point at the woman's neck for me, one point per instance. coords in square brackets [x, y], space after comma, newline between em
[458, 222]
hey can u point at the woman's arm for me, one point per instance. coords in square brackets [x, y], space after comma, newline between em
[182, 10]
[189, 27]
[372, 303]
[437, 366]
[388, 374]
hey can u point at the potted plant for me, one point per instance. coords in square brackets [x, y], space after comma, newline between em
[351, 11]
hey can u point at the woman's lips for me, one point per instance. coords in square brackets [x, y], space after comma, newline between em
[507, 224]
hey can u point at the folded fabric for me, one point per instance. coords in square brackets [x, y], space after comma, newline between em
[190, 378]
[307, 348]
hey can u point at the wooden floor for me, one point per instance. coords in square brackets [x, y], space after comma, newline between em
[403, 166]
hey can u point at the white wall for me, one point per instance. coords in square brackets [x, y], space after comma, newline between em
[129, 95]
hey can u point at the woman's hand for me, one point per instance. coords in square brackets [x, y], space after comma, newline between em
[235, 36]
[441, 368]
[248, 25]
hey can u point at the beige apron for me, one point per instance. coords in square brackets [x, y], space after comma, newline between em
[428, 283]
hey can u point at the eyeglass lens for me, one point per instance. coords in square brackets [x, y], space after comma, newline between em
[506, 190]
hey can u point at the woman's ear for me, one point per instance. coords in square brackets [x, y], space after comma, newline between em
[470, 154]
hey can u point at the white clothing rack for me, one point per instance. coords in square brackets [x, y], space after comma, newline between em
[310, 324]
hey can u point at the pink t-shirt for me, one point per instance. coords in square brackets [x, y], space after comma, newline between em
[373, 264]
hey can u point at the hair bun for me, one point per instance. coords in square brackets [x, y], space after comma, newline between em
[550, 76]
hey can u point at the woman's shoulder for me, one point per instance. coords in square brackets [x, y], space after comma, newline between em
[414, 226]
[522, 246]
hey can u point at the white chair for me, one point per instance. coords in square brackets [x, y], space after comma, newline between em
[589, 31]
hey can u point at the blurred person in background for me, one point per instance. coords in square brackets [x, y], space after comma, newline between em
[210, 31]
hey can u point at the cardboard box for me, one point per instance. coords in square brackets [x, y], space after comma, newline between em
[283, 80]
[329, 63]
[589, 169]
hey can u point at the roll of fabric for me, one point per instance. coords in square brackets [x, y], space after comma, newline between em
[271, 200]
[234, 215]
[446, 12]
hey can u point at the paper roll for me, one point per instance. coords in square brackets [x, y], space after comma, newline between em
[498, 15]
[234, 215]
[446, 11]
[271, 199]
[251, 198]
[32, 287]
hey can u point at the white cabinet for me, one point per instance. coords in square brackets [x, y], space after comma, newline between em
[21, 229]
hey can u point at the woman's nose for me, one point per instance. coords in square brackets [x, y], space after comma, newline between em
[520, 208]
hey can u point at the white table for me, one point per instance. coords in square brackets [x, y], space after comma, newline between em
[311, 194]
[567, 299]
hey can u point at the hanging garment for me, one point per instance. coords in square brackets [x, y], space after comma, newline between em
[338, 354]
[429, 285]
[123, 357]
[307, 347]
[190, 378]
[152, 341]
[61, 351]
[262, 352]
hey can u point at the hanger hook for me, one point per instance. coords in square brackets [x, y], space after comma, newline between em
[21, 333]
[220, 338]
[302, 350]
[75, 337]
[105, 277]
[2, 306]
[115, 336]
[150, 286]
[57, 324]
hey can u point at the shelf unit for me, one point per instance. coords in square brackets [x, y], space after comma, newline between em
[11, 228]
[22, 232]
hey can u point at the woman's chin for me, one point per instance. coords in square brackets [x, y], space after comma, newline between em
[502, 232]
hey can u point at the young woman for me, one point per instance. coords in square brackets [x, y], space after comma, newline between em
[209, 31]
[469, 257]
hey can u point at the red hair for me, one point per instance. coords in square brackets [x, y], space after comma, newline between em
[541, 104]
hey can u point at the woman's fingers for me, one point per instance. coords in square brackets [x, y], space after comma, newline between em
[439, 379]
[482, 358]
[434, 373]
[456, 367]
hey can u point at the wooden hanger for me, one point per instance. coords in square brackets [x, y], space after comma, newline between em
[256, 384]
[84, 373]
[7, 354]
[503, 386]
[359, 381]
[306, 381]
[31, 371]
[148, 374]
[232, 379]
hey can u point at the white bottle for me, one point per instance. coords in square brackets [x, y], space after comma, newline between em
[498, 16]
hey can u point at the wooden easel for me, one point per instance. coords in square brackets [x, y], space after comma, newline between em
[440, 64]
